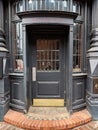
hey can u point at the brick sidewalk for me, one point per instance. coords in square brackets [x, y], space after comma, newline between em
[6, 126]
[20, 120]
[93, 125]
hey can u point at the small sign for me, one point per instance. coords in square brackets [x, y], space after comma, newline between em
[95, 85]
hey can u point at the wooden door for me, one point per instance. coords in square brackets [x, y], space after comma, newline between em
[48, 72]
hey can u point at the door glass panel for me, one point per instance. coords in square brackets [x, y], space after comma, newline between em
[48, 55]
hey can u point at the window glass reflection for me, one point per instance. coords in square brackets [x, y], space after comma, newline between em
[18, 47]
[60, 5]
[66, 5]
[30, 4]
[48, 55]
[52, 4]
[19, 6]
[77, 47]
[76, 7]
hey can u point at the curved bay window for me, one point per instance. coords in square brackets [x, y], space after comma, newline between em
[33, 5]
[58, 5]
[18, 47]
[17, 38]
[77, 38]
[50, 5]
[62, 5]
[77, 47]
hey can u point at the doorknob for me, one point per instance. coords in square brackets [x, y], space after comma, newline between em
[33, 73]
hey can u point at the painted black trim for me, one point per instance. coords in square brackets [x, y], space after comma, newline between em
[47, 14]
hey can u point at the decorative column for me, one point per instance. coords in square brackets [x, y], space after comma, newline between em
[4, 88]
[92, 60]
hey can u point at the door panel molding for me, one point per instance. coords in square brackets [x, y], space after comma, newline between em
[44, 89]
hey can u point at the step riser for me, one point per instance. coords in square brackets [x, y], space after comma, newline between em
[20, 120]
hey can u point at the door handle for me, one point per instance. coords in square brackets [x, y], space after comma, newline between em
[33, 73]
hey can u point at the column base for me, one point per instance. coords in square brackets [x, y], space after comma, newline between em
[92, 106]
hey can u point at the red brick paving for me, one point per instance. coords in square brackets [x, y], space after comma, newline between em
[6, 126]
[92, 125]
[78, 118]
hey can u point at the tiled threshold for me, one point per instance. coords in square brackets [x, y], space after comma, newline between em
[21, 120]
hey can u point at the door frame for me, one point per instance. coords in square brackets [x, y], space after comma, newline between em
[69, 56]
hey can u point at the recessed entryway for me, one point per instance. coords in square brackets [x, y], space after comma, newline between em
[48, 113]
[48, 65]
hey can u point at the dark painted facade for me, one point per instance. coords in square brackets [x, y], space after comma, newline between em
[51, 52]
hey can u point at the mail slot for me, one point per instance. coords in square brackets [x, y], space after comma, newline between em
[95, 85]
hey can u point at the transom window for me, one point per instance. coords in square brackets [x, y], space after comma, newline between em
[48, 55]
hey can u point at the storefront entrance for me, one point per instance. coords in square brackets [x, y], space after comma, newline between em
[48, 64]
[53, 79]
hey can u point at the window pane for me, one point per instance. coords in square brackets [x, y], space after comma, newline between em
[18, 47]
[76, 7]
[65, 5]
[48, 55]
[59, 5]
[77, 47]
[19, 6]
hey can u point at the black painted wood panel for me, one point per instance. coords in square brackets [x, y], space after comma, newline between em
[79, 92]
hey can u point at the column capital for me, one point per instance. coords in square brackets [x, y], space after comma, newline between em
[2, 42]
[94, 37]
[93, 51]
